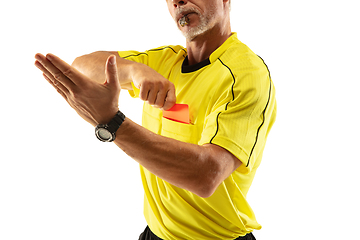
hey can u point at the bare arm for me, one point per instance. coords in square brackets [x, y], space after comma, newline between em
[154, 88]
[199, 169]
[93, 66]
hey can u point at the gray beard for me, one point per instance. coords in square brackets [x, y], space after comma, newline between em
[204, 25]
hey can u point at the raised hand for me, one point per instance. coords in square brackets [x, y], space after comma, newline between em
[95, 102]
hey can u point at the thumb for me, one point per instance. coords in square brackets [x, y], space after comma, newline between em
[111, 71]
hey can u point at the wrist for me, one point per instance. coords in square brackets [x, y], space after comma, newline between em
[106, 118]
[107, 132]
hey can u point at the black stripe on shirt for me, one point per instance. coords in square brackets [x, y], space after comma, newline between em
[153, 50]
[233, 98]
[267, 104]
[217, 127]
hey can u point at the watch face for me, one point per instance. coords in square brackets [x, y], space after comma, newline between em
[104, 134]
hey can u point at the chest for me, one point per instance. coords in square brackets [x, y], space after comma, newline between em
[199, 90]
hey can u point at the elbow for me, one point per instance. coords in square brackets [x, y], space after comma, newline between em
[206, 190]
[209, 182]
[210, 177]
[205, 193]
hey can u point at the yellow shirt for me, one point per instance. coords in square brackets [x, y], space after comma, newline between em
[232, 104]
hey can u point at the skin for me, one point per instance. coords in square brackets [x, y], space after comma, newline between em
[218, 29]
[93, 83]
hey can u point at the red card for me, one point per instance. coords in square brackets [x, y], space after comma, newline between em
[178, 113]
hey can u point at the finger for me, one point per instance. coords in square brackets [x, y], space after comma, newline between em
[160, 98]
[38, 64]
[61, 92]
[144, 92]
[170, 99]
[111, 71]
[53, 72]
[43, 69]
[65, 73]
[50, 78]
[152, 95]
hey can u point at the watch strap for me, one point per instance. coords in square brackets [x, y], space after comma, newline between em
[116, 122]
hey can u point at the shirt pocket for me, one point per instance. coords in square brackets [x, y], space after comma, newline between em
[180, 131]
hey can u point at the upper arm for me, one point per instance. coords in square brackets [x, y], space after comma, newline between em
[116, 53]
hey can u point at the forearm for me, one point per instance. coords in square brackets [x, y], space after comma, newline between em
[93, 66]
[184, 165]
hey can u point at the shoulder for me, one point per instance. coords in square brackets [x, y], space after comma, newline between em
[240, 57]
[246, 67]
[247, 74]
[237, 60]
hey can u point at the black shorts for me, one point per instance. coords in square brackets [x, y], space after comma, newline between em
[149, 235]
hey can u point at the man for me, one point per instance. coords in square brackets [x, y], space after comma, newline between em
[196, 173]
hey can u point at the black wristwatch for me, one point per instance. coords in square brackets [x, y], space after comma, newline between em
[107, 132]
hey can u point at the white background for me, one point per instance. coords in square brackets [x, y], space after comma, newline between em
[57, 181]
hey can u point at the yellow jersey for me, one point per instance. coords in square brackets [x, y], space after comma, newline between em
[231, 101]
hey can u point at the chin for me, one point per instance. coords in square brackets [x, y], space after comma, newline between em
[191, 33]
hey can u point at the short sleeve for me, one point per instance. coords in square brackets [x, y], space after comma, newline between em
[242, 115]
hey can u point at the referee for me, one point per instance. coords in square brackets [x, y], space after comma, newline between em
[208, 110]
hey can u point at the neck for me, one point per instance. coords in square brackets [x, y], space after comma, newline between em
[201, 47]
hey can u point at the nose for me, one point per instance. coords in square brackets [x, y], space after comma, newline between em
[178, 3]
